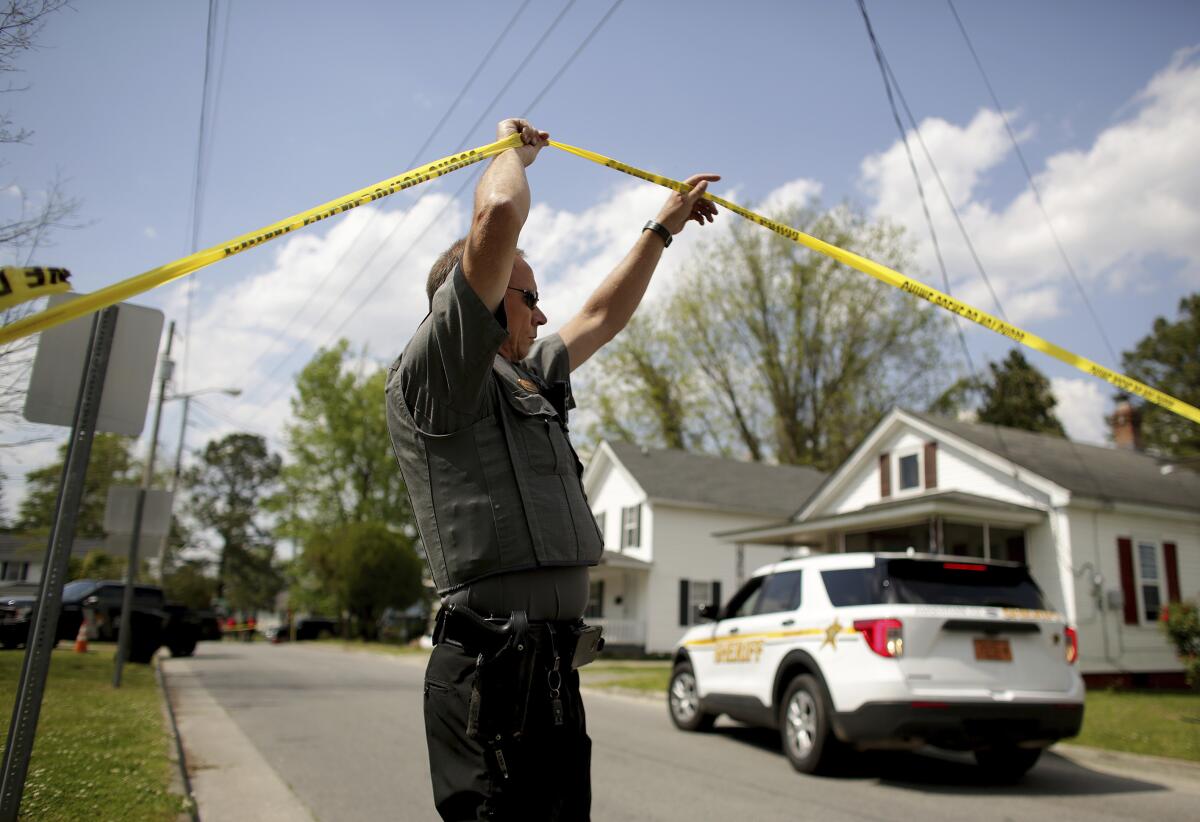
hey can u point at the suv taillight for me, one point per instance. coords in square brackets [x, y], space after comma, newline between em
[885, 636]
[1071, 641]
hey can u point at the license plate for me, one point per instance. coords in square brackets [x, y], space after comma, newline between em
[993, 650]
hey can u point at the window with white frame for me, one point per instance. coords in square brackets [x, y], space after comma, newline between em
[908, 471]
[699, 593]
[595, 606]
[1150, 582]
[14, 571]
[631, 526]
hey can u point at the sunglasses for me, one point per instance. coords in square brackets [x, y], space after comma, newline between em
[530, 298]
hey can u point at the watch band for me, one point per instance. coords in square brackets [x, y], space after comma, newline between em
[660, 230]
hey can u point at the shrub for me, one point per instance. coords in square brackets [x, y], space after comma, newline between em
[1181, 621]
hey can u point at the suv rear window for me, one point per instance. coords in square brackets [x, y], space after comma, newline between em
[933, 582]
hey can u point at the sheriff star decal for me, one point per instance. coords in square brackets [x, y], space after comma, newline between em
[831, 634]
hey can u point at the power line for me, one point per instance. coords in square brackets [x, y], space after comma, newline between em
[1037, 194]
[528, 109]
[937, 249]
[373, 214]
[196, 210]
[390, 271]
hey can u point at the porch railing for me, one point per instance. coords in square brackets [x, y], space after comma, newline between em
[621, 631]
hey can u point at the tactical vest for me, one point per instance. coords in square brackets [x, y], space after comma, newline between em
[504, 494]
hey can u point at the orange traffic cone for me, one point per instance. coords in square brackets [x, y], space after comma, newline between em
[81, 638]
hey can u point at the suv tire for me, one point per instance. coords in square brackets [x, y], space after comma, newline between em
[683, 701]
[804, 728]
[1006, 763]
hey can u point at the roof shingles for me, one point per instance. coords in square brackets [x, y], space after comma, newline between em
[722, 484]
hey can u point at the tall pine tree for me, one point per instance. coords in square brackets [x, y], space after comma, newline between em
[1019, 396]
[1168, 358]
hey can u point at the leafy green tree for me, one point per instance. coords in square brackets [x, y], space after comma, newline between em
[1019, 396]
[227, 489]
[768, 350]
[98, 564]
[341, 487]
[190, 583]
[111, 463]
[366, 567]
[1168, 358]
[341, 468]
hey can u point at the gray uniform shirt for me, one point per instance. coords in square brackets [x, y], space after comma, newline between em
[456, 411]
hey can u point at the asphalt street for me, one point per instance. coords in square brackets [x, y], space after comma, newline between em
[344, 730]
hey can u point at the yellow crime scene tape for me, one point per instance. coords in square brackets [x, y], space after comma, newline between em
[19, 285]
[155, 277]
[911, 286]
[115, 293]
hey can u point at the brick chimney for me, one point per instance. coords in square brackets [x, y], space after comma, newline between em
[1126, 425]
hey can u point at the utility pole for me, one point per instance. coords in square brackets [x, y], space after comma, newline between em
[123, 639]
[163, 547]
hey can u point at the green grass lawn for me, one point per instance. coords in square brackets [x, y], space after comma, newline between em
[1145, 722]
[99, 753]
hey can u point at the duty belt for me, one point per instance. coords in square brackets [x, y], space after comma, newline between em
[477, 634]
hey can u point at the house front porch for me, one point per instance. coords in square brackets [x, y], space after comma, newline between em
[616, 601]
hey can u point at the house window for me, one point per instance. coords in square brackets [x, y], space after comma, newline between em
[14, 571]
[595, 606]
[600, 524]
[631, 526]
[962, 539]
[1006, 543]
[901, 538]
[908, 469]
[1149, 580]
[699, 593]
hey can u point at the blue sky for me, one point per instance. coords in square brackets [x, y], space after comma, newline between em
[783, 99]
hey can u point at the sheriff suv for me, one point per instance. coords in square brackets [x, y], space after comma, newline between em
[857, 651]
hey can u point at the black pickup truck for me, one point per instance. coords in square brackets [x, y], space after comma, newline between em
[156, 622]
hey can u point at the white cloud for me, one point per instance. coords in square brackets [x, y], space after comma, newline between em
[1134, 193]
[378, 258]
[1082, 406]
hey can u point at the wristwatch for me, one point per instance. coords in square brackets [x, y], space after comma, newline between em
[660, 230]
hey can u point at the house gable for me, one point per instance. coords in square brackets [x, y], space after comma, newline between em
[904, 449]
[610, 490]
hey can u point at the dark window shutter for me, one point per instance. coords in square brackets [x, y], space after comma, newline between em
[1172, 562]
[931, 465]
[1128, 588]
[683, 602]
[885, 475]
[716, 593]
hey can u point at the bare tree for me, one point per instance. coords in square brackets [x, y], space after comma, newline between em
[28, 227]
[768, 351]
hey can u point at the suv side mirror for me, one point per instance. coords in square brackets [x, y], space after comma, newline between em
[710, 611]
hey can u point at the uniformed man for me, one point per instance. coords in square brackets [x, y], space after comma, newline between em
[477, 409]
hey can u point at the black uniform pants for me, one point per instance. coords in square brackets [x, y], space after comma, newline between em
[545, 775]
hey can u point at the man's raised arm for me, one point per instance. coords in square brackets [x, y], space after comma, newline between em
[611, 305]
[501, 206]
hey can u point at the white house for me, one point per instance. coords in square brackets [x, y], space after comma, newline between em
[1110, 534]
[658, 510]
[22, 556]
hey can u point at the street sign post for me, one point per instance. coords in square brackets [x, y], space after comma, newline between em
[43, 632]
[92, 380]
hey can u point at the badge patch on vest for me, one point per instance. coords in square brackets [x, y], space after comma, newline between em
[527, 385]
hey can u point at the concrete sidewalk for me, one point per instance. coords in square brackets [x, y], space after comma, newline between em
[230, 779]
